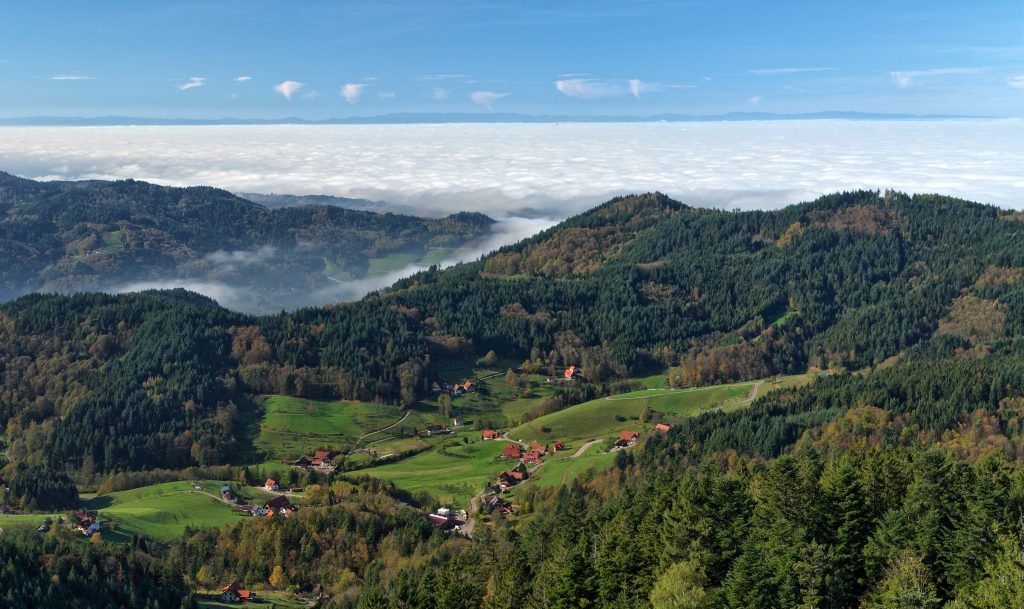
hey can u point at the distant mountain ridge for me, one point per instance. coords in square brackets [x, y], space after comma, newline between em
[469, 117]
[98, 235]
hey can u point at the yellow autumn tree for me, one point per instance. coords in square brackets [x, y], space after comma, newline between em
[277, 577]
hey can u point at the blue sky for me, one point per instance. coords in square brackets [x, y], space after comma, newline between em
[263, 59]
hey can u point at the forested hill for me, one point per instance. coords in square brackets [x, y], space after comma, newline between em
[95, 235]
[848, 281]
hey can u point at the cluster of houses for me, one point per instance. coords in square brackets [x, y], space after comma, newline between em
[527, 456]
[453, 389]
[321, 459]
[280, 505]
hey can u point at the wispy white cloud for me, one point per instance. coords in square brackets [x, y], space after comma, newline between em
[905, 78]
[439, 93]
[71, 77]
[193, 83]
[351, 91]
[441, 77]
[776, 71]
[486, 98]
[594, 88]
[288, 88]
[1017, 82]
[755, 100]
[588, 88]
[243, 78]
[314, 94]
[386, 95]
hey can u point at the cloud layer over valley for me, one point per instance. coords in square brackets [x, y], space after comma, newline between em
[555, 170]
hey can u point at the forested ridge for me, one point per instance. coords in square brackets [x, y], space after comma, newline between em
[848, 281]
[98, 235]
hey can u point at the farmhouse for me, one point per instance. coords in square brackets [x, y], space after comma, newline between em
[541, 448]
[571, 373]
[88, 522]
[534, 456]
[506, 480]
[278, 505]
[490, 434]
[325, 457]
[436, 430]
[271, 485]
[225, 493]
[557, 446]
[300, 462]
[512, 451]
[662, 427]
[627, 438]
[441, 521]
[234, 593]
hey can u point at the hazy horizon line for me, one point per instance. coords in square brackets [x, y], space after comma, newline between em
[474, 117]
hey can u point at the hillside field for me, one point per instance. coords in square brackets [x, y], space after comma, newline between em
[292, 427]
[450, 479]
[163, 511]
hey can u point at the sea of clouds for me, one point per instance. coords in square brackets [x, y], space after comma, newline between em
[529, 176]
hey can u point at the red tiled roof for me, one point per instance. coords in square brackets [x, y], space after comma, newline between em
[628, 435]
[490, 434]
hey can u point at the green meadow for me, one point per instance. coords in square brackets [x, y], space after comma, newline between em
[292, 427]
[451, 478]
[163, 511]
[606, 417]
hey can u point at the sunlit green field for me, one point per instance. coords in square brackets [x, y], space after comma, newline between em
[448, 478]
[292, 427]
[163, 511]
[606, 417]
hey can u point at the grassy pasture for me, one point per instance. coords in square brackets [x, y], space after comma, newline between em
[162, 511]
[292, 427]
[606, 417]
[25, 521]
[560, 470]
[451, 479]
